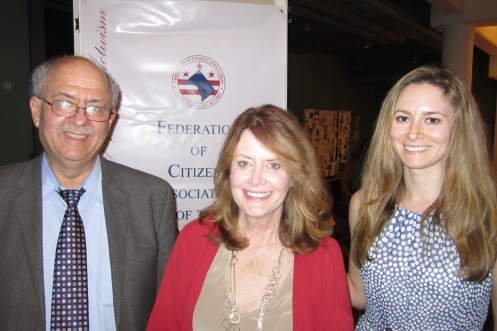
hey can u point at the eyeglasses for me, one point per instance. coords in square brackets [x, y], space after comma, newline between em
[68, 109]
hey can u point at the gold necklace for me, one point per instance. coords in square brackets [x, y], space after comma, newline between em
[231, 314]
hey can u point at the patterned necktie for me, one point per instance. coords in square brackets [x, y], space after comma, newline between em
[70, 291]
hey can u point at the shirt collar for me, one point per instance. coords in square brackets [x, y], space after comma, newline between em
[92, 183]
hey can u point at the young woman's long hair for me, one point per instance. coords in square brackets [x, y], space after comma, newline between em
[467, 202]
[307, 207]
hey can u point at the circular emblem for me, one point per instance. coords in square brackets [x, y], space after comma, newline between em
[198, 82]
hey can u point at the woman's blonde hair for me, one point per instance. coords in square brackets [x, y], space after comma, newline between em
[467, 202]
[306, 214]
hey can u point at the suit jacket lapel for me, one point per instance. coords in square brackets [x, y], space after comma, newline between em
[29, 218]
[116, 215]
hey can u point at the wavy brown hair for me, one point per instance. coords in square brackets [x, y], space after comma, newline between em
[466, 205]
[306, 216]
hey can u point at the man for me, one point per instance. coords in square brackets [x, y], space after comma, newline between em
[128, 216]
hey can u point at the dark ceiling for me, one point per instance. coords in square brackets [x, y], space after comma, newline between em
[361, 23]
[376, 36]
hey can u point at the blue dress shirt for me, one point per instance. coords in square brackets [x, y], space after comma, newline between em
[91, 209]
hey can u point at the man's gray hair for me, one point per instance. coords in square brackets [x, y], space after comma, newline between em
[39, 75]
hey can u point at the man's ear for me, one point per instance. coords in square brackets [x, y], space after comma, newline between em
[35, 104]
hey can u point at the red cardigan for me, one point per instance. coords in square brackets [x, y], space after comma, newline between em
[320, 301]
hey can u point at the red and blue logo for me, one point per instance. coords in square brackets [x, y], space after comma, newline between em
[198, 82]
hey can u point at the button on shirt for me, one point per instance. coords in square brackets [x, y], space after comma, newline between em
[91, 209]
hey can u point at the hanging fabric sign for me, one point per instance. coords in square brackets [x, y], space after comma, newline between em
[186, 70]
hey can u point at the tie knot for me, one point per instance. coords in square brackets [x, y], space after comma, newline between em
[71, 197]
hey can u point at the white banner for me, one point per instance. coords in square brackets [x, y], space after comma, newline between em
[186, 70]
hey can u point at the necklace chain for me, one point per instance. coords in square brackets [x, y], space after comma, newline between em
[231, 314]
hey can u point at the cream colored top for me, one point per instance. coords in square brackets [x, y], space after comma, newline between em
[209, 310]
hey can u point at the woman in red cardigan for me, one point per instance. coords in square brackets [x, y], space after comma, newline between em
[261, 257]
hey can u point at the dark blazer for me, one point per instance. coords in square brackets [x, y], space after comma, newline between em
[141, 225]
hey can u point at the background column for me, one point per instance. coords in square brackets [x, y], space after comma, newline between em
[457, 50]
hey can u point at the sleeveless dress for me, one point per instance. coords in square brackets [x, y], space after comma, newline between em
[411, 281]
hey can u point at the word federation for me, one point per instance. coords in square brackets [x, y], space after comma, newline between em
[164, 127]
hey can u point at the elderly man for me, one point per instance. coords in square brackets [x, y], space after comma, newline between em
[83, 241]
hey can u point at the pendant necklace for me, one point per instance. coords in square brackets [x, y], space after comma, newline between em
[231, 314]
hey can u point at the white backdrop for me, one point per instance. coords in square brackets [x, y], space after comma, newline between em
[186, 70]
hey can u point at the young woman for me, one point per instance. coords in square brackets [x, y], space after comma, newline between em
[424, 231]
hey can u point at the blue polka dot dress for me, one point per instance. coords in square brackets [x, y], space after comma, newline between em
[411, 282]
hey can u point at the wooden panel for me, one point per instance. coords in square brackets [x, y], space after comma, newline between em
[329, 133]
